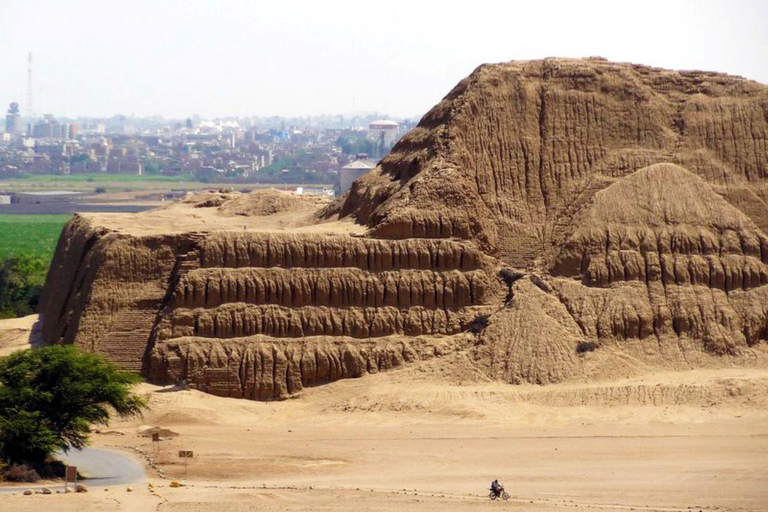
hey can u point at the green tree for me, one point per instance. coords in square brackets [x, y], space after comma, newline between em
[49, 398]
[21, 282]
[79, 158]
[354, 146]
[152, 167]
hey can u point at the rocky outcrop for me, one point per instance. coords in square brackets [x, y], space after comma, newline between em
[542, 212]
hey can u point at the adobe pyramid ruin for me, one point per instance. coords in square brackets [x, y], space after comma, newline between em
[546, 219]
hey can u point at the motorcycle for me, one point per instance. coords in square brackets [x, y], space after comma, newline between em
[502, 494]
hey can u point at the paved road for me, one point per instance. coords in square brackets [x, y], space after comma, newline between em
[100, 468]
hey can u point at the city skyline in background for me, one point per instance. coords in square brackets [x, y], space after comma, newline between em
[299, 59]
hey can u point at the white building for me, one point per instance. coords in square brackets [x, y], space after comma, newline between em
[384, 129]
[353, 171]
[313, 191]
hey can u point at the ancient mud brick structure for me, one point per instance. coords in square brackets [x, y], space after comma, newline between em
[540, 208]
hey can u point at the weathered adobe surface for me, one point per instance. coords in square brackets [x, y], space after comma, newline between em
[265, 369]
[337, 288]
[245, 319]
[664, 224]
[262, 315]
[515, 148]
[552, 219]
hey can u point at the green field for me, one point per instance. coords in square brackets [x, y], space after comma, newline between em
[30, 235]
[27, 243]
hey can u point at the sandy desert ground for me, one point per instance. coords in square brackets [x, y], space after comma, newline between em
[413, 440]
[17, 333]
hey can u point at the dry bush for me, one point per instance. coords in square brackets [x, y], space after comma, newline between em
[19, 473]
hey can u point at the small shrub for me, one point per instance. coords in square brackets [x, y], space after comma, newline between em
[509, 276]
[19, 473]
[586, 346]
[100, 190]
[479, 323]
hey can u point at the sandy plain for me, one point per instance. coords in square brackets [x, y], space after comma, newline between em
[423, 439]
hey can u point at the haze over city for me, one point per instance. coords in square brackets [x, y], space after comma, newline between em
[179, 58]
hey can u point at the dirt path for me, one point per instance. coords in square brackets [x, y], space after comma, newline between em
[99, 467]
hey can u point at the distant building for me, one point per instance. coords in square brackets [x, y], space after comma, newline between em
[48, 127]
[313, 191]
[125, 165]
[385, 130]
[13, 119]
[353, 170]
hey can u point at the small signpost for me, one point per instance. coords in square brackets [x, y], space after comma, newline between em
[186, 455]
[156, 441]
[70, 475]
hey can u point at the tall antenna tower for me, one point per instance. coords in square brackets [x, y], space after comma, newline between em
[30, 111]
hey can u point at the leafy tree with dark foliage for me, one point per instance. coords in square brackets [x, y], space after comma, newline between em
[21, 281]
[50, 396]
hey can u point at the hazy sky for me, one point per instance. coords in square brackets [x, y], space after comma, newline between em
[218, 58]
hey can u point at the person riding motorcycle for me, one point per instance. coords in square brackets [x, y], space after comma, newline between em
[496, 487]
